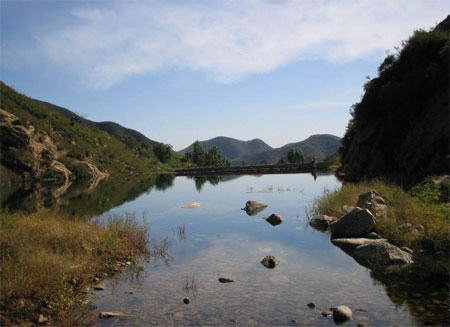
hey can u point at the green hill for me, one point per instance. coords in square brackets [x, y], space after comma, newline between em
[400, 129]
[321, 146]
[41, 141]
[231, 148]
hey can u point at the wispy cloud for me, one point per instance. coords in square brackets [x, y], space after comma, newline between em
[228, 40]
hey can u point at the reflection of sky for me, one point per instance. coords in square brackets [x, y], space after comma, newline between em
[222, 240]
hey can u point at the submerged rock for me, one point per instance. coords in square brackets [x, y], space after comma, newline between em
[341, 313]
[274, 219]
[311, 305]
[109, 314]
[269, 262]
[186, 300]
[254, 207]
[358, 222]
[225, 280]
[322, 222]
[192, 205]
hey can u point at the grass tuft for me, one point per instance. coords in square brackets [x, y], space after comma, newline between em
[47, 258]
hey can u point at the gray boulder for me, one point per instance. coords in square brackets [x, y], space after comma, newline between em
[358, 222]
[381, 254]
[342, 313]
[348, 245]
[274, 219]
[322, 222]
[373, 202]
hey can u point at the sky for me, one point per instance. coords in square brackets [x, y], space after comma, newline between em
[180, 71]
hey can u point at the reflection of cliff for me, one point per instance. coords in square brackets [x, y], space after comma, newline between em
[82, 200]
[422, 286]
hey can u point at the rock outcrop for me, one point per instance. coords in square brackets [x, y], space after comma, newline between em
[374, 203]
[33, 155]
[381, 254]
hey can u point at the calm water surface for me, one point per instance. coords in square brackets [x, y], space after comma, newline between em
[218, 239]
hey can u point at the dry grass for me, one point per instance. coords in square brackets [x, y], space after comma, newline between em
[402, 209]
[47, 258]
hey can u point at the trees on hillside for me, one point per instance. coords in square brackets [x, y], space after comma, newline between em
[293, 156]
[205, 158]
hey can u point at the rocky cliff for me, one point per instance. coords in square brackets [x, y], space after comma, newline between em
[33, 155]
[400, 129]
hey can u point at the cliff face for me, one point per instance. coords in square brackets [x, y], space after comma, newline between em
[400, 129]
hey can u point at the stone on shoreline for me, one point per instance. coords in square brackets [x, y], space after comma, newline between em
[322, 222]
[109, 314]
[356, 223]
[342, 313]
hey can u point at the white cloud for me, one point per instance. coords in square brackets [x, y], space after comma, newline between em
[228, 40]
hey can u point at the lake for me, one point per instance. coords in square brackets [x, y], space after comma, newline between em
[218, 239]
[199, 233]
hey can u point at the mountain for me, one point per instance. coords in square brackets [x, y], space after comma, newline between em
[128, 136]
[232, 148]
[43, 142]
[400, 129]
[320, 145]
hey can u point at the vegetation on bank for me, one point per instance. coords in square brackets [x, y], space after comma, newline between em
[49, 259]
[426, 205]
[205, 158]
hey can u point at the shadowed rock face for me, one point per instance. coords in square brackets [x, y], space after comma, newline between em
[356, 223]
[382, 254]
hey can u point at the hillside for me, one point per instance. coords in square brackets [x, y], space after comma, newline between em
[41, 141]
[400, 129]
[231, 148]
[321, 145]
[130, 137]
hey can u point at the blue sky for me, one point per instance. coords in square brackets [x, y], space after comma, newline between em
[178, 71]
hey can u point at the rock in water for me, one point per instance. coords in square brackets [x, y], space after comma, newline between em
[348, 245]
[186, 300]
[274, 219]
[322, 222]
[269, 262]
[311, 305]
[254, 207]
[342, 313]
[381, 253]
[358, 222]
[225, 280]
[109, 314]
[373, 202]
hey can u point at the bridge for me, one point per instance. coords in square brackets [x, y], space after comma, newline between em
[256, 169]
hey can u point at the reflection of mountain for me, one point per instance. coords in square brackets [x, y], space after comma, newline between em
[83, 201]
[200, 181]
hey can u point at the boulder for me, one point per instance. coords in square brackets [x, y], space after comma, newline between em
[381, 253]
[373, 202]
[348, 245]
[269, 262]
[358, 222]
[341, 313]
[254, 207]
[322, 222]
